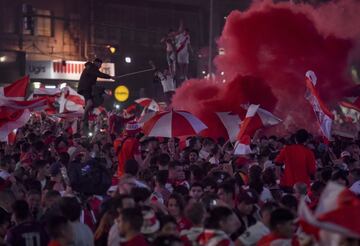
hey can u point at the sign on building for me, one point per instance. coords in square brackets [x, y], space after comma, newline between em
[70, 70]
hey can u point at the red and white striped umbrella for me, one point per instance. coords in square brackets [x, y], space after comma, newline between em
[173, 124]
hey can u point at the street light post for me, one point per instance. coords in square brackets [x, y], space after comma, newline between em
[210, 37]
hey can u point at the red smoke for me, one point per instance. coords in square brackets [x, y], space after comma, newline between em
[203, 98]
[277, 43]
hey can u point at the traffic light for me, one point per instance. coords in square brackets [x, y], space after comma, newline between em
[28, 18]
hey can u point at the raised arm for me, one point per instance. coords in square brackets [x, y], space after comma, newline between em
[99, 74]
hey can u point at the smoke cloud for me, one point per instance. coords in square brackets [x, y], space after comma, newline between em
[268, 49]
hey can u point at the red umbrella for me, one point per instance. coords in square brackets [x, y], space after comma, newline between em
[173, 124]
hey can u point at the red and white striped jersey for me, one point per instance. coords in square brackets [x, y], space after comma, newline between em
[182, 40]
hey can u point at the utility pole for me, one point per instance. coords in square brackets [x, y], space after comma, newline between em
[210, 38]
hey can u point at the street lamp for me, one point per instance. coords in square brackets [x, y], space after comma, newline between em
[128, 59]
[111, 48]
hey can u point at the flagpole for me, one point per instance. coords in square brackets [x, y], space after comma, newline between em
[134, 73]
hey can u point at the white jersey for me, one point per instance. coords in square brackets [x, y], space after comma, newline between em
[167, 82]
[253, 234]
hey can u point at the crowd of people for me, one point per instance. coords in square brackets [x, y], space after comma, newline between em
[119, 187]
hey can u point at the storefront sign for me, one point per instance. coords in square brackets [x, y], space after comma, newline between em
[69, 70]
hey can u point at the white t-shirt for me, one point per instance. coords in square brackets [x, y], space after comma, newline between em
[254, 233]
[4, 174]
[356, 187]
[167, 82]
[114, 238]
[266, 195]
[203, 154]
[83, 236]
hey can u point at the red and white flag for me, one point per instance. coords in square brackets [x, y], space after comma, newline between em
[10, 118]
[148, 103]
[351, 103]
[42, 91]
[51, 95]
[256, 118]
[36, 104]
[73, 129]
[323, 114]
[16, 90]
[130, 109]
[337, 212]
[70, 101]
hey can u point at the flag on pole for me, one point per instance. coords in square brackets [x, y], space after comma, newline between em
[256, 118]
[11, 118]
[323, 114]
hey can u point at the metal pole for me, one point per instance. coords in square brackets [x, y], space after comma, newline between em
[210, 38]
[134, 73]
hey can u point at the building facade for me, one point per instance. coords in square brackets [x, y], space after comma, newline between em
[117, 31]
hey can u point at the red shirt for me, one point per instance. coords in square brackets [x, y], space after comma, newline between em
[183, 224]
[138, 240]
[299, 164]
[54, 243]
[274, 239]
[130, 148]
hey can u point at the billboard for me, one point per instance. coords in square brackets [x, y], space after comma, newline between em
[69, 70]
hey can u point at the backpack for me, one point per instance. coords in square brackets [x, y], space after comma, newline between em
[91, 178]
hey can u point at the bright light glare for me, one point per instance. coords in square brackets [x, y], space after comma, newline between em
[2, 58]
[221, 51]
[37, 85]
[128, 59]
[117, 106]
[50, 86]
[112, 49]
[222, 73]
[203, 72]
